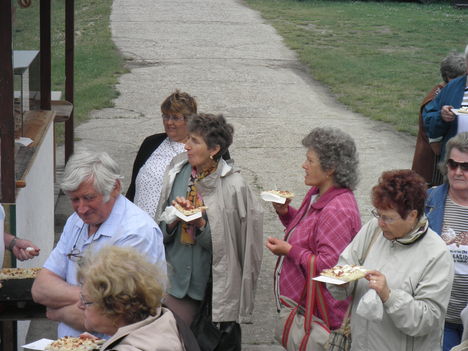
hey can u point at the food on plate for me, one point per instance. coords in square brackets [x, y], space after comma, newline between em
[463, 109]
[346, 273]
[190, 212]
[282, 193]
[68, 343]
[18, 273]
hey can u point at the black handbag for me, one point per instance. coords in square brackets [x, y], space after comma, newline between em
[223, 336]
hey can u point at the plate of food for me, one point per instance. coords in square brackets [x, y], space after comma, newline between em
[342, 274]
[279, 196]
[67, 343]
[19, 273]
[188, 215]
[460, 111]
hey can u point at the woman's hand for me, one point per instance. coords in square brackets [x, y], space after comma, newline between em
[182, 201]
[447, 114]
[87, 335]
[281, 209]
[187, 204]
[378, 282]
[277, 246]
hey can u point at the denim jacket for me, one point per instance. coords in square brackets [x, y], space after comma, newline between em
[435, 206]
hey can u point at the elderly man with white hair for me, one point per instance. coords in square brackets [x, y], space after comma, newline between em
[440, 119]
[102, 217]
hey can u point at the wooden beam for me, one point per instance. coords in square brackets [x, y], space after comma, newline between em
[45, 52]
[7, 124]
[69, 73]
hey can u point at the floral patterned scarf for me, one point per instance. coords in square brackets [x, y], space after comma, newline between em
[187, 234]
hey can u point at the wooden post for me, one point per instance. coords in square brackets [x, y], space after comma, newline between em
[69, 73]
[7, 124]
[45, 52]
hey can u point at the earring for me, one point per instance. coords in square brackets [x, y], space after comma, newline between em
[211, 156]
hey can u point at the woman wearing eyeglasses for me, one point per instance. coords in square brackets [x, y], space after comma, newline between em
[447, 211]
[121, 293]
[157, 151]
[410, 271]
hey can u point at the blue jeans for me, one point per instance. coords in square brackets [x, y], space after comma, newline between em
[452, 335]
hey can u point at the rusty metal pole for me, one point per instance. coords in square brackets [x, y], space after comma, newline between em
[7, 124]
[69, 73]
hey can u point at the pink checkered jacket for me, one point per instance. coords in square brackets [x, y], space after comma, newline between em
[323, 229]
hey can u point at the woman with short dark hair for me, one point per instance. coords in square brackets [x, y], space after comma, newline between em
[410, 271]
[158, 150]
[225, 244]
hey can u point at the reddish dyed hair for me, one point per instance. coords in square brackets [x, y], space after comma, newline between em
[400, 190]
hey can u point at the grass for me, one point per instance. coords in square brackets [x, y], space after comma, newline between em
[97, 61]
[379, 58]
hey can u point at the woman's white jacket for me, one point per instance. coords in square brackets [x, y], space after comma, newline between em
[419, 275]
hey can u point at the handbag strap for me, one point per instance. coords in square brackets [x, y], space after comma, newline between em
[314, 297]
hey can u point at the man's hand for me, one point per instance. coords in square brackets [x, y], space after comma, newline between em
[277, 246]
[71, 315]
[52, 291]
[447, 114]
[25, 250]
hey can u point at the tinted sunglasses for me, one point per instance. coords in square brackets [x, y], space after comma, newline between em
[453, 165]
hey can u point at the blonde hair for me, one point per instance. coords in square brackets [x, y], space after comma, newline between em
[122, 283]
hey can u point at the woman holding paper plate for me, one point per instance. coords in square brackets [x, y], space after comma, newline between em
[324, 224]
[224, 245]
[402, 303]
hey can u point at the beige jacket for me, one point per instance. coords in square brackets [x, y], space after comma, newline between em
[419, 275]
[236, 223]
[155, 333]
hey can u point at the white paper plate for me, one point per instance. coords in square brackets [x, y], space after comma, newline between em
[38, 345]
[458, 113]
[267, 196]
[188, 218]
[330, 280]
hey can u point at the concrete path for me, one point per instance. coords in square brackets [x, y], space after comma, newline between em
[234, 63]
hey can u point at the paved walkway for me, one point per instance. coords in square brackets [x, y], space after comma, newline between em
[234, 63]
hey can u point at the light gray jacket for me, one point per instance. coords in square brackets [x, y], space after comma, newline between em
[419, 276]
[155, 333]
[236, 222]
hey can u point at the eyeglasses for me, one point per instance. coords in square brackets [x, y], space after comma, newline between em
[453, 165]
[75, 254]
[173, 117]
[384, 219]
[84, 302]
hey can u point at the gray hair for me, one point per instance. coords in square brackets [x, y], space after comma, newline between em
[452, 66]
[214, 130]
[459, 142]
[85, 165]
[336, 151]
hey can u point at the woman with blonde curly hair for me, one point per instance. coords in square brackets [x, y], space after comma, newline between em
[121, 297]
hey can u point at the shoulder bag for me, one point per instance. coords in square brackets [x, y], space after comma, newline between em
[298, 329]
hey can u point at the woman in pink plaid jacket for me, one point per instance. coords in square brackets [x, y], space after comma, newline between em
[325, 223]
